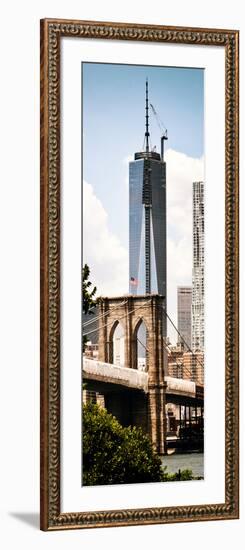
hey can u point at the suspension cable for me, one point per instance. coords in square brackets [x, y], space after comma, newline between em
[146, 349]
[103, 314]
[187, 370]
[182, 338]
[145, 304]
[181, 365]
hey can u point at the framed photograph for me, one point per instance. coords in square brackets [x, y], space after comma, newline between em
[139, 274]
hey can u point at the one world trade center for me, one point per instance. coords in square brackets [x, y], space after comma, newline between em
[147, 217]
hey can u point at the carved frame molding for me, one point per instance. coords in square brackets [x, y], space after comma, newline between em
[51, 33]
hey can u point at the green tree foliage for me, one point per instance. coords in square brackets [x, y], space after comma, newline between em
[87, 291]
[113, 454]
[88, 294]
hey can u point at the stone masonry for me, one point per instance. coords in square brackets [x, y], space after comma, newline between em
[130, 311]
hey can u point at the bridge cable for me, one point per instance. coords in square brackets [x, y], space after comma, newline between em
[181, 365]
[182, 338]
[178, 364]
[103, 314]
[144, 305]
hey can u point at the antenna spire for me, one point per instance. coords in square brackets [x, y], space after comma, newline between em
[147, 134]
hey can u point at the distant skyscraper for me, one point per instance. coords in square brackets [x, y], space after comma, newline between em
[184, 304]
[147, 218]
[198, 268]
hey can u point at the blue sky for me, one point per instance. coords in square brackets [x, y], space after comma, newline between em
[113, 130]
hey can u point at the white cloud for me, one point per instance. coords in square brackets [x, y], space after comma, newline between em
[108, 259]
[181, 172]
[102, 250]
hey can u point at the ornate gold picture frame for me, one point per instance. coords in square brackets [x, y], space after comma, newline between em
[52, 33]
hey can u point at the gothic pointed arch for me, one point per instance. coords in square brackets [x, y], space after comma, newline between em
[116, 344]
[139, 345]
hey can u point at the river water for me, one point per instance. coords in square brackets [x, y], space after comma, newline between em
[190, 461]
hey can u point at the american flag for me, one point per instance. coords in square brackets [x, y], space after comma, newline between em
[133, 281]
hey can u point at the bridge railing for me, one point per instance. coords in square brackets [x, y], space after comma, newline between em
[130, 377]
[180, 385]
[115, 374]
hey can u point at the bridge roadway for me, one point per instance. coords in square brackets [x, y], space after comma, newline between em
[106, 377]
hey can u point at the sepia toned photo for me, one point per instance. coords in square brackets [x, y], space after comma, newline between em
[143, 287]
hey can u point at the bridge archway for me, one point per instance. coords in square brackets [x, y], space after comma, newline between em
[131, 311]
[140, 346]
[117, 344]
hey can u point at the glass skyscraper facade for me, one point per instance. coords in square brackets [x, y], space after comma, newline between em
[147, 224]
[147, 219]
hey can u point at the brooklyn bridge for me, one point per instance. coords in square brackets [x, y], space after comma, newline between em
[137, 392]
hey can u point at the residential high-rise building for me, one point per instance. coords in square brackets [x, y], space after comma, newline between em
[147, 218]
[184, 306]
[198, 268]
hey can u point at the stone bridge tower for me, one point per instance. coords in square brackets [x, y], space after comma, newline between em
[130, 312]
